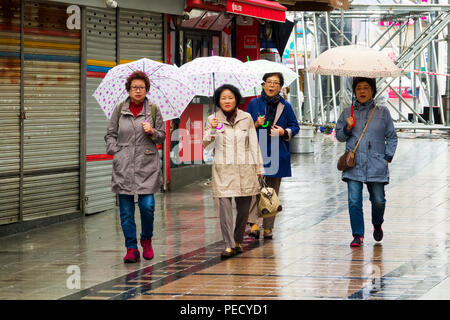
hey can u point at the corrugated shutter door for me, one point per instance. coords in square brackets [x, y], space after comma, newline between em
[141, 35]
[101, 53]
[52, 106]
[9, 110]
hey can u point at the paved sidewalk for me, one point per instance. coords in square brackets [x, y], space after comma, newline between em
[309, 257]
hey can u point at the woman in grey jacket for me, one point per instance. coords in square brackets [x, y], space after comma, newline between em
[135, 128]
[374, 153]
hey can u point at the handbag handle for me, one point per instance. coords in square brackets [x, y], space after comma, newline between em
[262, 182]
[364, 131]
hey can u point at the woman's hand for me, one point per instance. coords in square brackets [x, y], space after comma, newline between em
[214, 123]
[260, 121]
[350, 123]
[276, 131]
[147, 128]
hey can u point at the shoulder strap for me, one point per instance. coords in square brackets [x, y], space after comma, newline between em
[153, 111]
[364, 131]
[120, 113]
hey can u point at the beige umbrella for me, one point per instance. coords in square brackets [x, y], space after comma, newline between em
[354, 61]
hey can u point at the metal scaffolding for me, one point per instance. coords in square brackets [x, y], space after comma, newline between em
[326, 96]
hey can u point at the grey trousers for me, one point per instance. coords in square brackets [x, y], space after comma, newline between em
[226, 219]
[268, 223]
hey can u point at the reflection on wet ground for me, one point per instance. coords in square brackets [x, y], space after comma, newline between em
[309, 257]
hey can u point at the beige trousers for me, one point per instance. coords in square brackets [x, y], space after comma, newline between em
[226, 219]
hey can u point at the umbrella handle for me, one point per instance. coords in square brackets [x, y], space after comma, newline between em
[351, 114]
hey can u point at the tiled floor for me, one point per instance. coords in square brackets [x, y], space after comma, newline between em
[309, 257]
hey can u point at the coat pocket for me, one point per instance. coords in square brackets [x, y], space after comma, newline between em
[377, 167]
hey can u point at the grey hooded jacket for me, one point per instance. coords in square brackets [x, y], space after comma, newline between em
[377, 146]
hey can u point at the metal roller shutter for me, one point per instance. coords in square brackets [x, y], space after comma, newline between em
[101, 52]
[9, 110]
[51, 165]
[141, 35]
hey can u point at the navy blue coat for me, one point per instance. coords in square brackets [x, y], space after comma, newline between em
[377, 146]
[275, 150]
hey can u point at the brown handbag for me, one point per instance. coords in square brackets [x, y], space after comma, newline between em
[348, 159]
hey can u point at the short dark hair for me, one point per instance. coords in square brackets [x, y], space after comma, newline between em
[218, 92]
[138, 75]
[371, 81]
[277, 74]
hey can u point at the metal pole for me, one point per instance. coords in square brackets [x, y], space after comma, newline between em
[394, 35]
[300, 113]
[438, 98]
[332, 77]
[414, 75]
[318, 77]
[400, 78]
[306, 67]
[341, 83]
[430, 82]
[382, 35]
[448, 72]
[83, 116]
[22, 108]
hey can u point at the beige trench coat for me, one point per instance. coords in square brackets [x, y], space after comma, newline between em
[136, 164]
[237, 156]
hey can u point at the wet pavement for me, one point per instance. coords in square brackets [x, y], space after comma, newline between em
[309, 257]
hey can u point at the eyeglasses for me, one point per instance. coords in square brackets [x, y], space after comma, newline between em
[136, 88]
[272, 83]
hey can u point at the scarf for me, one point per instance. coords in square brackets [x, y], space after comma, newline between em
[136, 108]
[231, 116]
[271, 108]
[359, 106]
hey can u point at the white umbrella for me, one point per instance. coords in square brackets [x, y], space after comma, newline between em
[261, 67]
[169, 89]
[206, 74]
[354, 61]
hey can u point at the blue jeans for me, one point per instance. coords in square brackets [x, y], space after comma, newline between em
[355, 204]
[146, 207]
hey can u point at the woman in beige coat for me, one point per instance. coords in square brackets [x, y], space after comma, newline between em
[135, 128]
[236, 165]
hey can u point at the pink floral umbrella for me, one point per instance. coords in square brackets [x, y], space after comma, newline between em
[169, 88]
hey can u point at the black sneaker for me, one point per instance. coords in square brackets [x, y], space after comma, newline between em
[377, 232]
[357, 241]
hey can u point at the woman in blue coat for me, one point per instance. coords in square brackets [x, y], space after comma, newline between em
[374, 153]
[276, 124]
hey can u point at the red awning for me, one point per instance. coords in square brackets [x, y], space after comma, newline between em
[261, 9]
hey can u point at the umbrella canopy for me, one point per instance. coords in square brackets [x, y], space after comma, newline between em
[206, 74]
[169, 89]
[261, 67]
[354, 61]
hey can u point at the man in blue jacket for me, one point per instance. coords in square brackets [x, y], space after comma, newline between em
[276, 124]
[374, 153]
